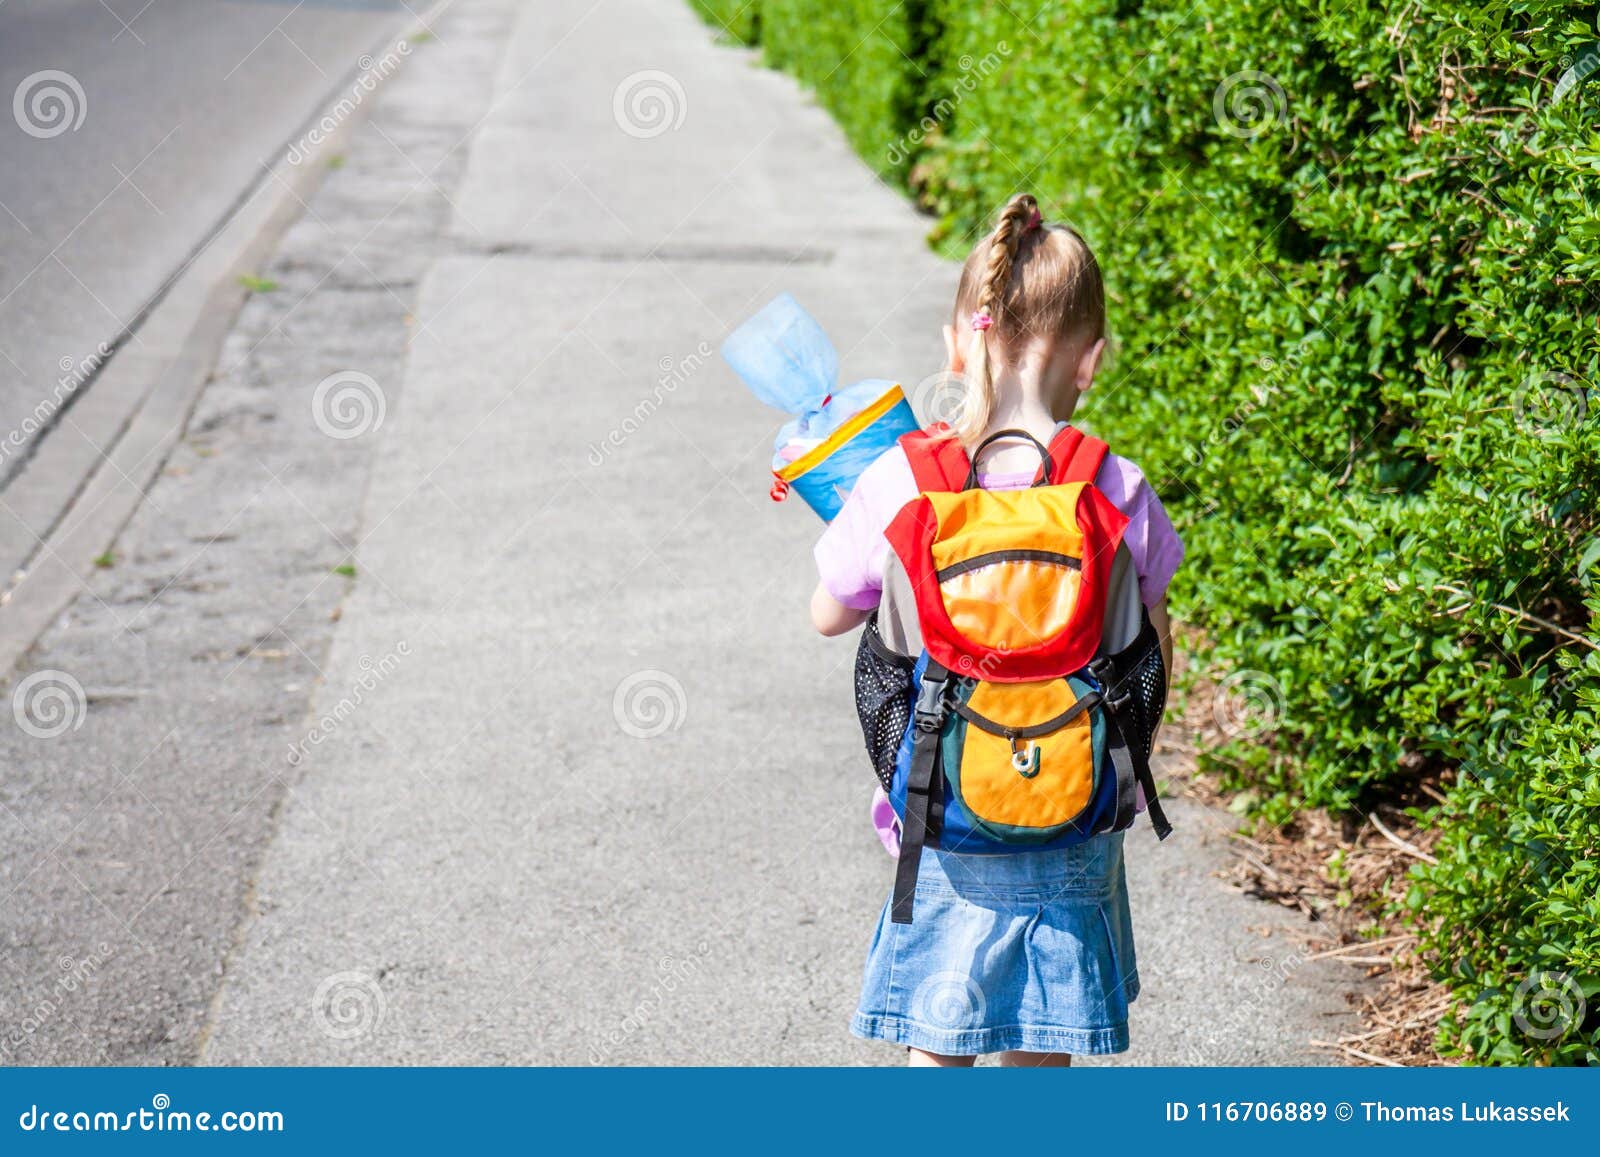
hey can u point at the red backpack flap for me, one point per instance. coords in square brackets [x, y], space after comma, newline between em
[917, 528]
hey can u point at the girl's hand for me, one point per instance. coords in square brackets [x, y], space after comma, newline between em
[831, 617]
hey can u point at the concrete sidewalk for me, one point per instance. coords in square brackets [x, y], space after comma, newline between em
[593, 791]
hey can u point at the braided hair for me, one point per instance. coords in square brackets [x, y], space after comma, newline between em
[1025, 279]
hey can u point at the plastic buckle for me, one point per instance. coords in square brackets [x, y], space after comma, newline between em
[929, 711]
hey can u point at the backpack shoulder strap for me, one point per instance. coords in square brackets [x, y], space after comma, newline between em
[938, 461]
[1077, 456]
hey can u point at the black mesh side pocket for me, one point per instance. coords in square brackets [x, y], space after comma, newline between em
[1141, 674]
[883, 699]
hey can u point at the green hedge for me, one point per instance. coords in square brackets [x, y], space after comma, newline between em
[858, 57]
[1352, 266]
[1514, 902]
[738, 19]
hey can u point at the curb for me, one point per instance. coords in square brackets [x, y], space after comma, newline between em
[146, 396]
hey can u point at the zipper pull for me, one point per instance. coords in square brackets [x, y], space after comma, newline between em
[1025, 758]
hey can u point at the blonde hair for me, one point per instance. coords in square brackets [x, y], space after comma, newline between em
[1031, 280]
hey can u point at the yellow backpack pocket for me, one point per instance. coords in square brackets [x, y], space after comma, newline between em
[1022, 757]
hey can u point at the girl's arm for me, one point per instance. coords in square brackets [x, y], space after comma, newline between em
[1162, 622]
[831, 617]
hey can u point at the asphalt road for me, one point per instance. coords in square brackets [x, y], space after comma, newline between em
[478, 721]
[129, 844]
[176, 106]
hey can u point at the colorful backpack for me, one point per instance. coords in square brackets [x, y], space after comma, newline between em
[1010, 682]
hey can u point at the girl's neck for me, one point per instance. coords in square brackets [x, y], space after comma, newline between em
[1020, 405]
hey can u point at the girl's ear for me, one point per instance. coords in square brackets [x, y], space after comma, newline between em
[955, 361]
[1089, 365]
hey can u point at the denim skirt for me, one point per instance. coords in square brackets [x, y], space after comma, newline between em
[1032, 952]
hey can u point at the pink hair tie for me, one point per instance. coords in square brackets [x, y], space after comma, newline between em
[981, 320]
[1034, 221]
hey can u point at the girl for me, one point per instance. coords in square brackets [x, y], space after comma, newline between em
[1029, 955]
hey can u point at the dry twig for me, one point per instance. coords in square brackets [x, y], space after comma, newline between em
[1405, 846]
